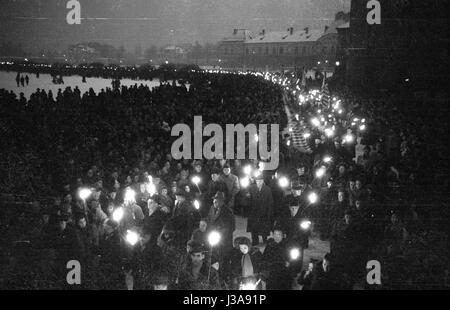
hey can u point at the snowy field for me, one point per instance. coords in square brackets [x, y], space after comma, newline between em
[8, 81]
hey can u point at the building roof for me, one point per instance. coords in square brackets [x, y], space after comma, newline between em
[240, 35]
[286, 37]
[297, 36]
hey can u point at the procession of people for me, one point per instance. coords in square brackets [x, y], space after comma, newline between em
[106, 191]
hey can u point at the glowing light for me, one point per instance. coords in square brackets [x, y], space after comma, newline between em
[130, 195]
[256, 138]
[348, 138]
[196, 180]
[296, 116]
[283, 182]
[288, 143]
[340, 111]
[196, 205]
[363, 120]
[248, 170]
[257, 173]
[294, 253]
[305, 225]
[151, 189]
[84, 193]
[362, 127]
[315, 122]
[261, 166]
[320, 172]
[306, 135]
[118, 214]
[248, 286]
[214, 238]
[313, 197]
[132, 237]
[329, 132]
[326, 159]
[245, 182]
[338, 63]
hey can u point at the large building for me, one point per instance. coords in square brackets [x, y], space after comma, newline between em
[232, 48]
[276, 50]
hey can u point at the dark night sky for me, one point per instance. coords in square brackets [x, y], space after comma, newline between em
[41, 24]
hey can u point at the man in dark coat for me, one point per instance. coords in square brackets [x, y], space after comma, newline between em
[232, 183]
[221, 219]
[261, 215]
[196, 274]
[346, 243]
[214, 186]
[325, 276]
[153, 222]
[183, 218]
[275, 262]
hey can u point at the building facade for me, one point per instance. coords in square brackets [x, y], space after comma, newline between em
[282, 50]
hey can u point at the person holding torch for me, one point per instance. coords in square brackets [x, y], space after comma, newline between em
[221, 219]
[245, 265]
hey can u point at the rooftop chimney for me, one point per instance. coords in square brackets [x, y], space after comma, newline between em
[263, 32]
[326, 28]
[291, 30]
[306, 30]
[235, 31]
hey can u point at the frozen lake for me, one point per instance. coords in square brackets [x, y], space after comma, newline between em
[8, 81]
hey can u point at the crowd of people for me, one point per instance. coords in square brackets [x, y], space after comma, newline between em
[135, 218]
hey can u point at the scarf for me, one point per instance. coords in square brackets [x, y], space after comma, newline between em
[247, 266]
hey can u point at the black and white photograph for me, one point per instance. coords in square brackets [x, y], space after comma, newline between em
[224, 145]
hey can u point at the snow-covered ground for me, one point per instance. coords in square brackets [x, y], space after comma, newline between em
[8, 81]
